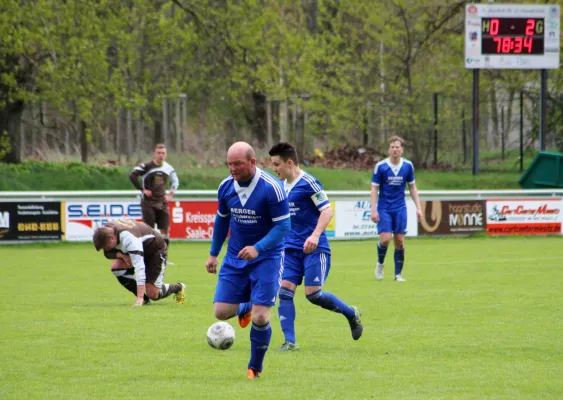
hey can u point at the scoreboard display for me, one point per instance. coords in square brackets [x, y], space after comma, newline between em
[512, 36]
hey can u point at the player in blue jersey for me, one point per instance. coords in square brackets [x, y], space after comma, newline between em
[307, 252]
[388, 205]
[254, 206]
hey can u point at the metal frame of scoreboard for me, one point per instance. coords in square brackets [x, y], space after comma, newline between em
[511, 36]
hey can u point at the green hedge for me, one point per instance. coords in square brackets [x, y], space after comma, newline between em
[36, 176]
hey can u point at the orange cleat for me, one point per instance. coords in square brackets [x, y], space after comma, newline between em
[244, 320]
[253, 374]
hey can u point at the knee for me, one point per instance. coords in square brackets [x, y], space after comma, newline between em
[260, 315]
[153, 292]
[222, 313]
[315, 297]
[385, 239]
[399, 243]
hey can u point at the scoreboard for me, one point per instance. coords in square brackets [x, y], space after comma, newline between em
[512, 36]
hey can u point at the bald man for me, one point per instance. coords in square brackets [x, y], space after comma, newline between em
[254, 206]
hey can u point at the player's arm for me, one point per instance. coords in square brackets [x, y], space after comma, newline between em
[414, 193]
[174, 183]
[375, 183]
[320, 199]
[135, 174]
[220, 232]
[134, 247]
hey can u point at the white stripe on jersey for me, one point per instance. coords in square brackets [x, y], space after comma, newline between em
[323, 268]
[279, 191]
[228, 178]
[311, 181]
[280, 218]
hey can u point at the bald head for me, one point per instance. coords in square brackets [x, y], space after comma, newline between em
[242, 161]
[241, 149]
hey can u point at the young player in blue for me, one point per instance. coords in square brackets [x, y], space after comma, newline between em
[307, 252]
[254, 206]
[388, 205]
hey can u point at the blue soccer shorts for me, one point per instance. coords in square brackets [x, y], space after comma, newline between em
[392, 221]
[314, 267]
[257, 281]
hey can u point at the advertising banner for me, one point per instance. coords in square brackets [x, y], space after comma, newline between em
[83, 217]
[353, 220]
[457, 217]
[192, 219]
[30, 221]
[524, 217]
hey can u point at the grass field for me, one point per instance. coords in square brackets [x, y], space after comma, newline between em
[478, 318]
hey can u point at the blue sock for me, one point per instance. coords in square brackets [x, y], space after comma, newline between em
[260, 336]
[328, 301]
[381, 251]
[243, 308]
[286, 311]
[399, 260]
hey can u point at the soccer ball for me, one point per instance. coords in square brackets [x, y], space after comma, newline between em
[221, 335]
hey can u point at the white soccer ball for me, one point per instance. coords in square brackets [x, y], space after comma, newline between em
[221, 335]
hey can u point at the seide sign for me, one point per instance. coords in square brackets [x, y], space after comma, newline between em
[455, 217]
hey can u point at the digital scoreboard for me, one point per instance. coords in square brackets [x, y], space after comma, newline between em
[512, 36]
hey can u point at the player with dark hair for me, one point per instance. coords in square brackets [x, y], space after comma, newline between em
[388, 205]
[307, 251]
[254, 206]
[154, 202]
[139, 260]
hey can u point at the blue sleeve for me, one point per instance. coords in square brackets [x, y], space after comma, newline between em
[279, 230]
[410, 175]
[220, 232]
[376, 178]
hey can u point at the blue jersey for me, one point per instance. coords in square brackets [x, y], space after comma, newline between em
[392, 180]
[252, 210]
[306, 201]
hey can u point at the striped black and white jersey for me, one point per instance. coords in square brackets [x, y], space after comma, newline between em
[154, 178]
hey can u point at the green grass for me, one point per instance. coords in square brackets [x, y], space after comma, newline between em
[478, 318]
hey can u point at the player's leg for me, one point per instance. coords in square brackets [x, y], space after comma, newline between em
[148, 213]
[232, 291]
[317, 268]
[125, 275]
[162, 219]
[384, 229]
[399, 230]
[292, 276]
[155, 268]
[265, 278]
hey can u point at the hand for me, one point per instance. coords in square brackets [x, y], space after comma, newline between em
[138, 302]
[147, 193]
[311, 244]
[211, 265]
[375, 216]
[168, 198]
[249, 253]
[419, 214]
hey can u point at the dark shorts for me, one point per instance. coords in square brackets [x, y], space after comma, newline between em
[156, 214]
[155, 266]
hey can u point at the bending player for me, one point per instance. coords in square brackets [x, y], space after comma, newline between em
[388, 205]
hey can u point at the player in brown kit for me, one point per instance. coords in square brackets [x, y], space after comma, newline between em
[155, 176]
[139, 260]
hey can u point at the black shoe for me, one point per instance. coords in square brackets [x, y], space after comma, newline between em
[356, 324]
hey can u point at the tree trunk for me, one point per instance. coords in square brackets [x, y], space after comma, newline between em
[259, 123]
[83, 142]
[10, 122]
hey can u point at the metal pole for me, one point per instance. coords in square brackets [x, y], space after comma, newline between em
[165, 138]
[475, 122]
[543, 107]
[521, 131]
[463, 136]
[435, 97]
[502, 126]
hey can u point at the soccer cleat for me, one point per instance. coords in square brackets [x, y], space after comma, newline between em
[356, 325]
[253, 373]
[288, 346]
[147, 302]
[399, 278]
[244, 320]
[181, 295]
[379, 271]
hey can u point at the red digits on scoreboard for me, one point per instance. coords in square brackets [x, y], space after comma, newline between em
[506, 42]
[528, 44]
[518, 45]
[530, 27]
[498, 42]
[494, 26]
